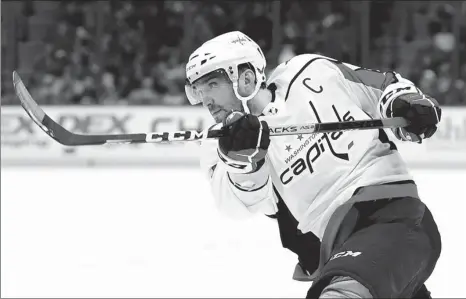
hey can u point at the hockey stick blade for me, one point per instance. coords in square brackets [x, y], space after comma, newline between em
[65, 137]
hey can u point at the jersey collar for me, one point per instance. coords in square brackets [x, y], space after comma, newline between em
[276, 105]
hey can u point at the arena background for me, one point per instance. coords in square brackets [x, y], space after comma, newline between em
[118, 66]
[138, 220]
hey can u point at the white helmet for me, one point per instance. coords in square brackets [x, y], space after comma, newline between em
[225, 52]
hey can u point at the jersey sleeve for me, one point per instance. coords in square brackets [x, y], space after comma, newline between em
[237, 195]
[366, 85]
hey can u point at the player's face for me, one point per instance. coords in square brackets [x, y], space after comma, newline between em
[218, 96]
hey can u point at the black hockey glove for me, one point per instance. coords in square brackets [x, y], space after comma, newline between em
[403, 99]
[245, 147]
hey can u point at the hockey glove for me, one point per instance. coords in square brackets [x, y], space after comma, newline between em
[403, 99]
[245, 147]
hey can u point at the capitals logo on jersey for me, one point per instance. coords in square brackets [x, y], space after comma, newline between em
[316, 151]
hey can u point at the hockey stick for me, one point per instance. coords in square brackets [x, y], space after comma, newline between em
[65, 137]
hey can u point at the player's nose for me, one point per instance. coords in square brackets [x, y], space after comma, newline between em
[207, 102]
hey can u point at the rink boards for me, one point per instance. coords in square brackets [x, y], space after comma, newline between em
[23, 143]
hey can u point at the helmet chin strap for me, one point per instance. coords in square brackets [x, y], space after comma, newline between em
[245, 106]
[244, 100]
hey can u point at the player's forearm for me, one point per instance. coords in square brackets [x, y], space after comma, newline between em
[390, 95]
[366, 85]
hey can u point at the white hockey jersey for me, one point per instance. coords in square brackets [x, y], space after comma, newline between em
[313, 174]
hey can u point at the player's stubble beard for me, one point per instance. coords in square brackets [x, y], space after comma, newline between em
[220, 113]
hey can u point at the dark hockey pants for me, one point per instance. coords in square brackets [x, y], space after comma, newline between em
[392, 249]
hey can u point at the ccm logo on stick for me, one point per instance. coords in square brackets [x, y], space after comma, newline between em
[174, 136]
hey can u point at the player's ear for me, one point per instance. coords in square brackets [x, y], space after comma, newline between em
[246, 82]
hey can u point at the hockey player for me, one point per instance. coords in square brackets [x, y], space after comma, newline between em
[345, 202]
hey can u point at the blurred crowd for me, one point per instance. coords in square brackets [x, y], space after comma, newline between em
[413, 38]
[133, 52]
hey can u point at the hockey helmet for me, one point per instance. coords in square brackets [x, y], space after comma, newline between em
[225, 52]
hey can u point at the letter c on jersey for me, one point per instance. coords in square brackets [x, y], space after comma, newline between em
[312, 89]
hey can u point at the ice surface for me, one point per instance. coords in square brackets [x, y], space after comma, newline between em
[140, 232]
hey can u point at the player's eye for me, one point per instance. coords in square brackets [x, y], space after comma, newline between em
[213, 84]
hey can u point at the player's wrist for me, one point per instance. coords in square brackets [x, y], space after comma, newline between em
[243, 166]
[250, 181]
[404, 99]
[389, 103]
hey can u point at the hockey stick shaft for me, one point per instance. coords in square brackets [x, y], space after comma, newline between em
[65, 137]
[339, 126]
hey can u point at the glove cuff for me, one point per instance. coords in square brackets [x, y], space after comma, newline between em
[403, 135]
[391, 93]
[235, 166]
